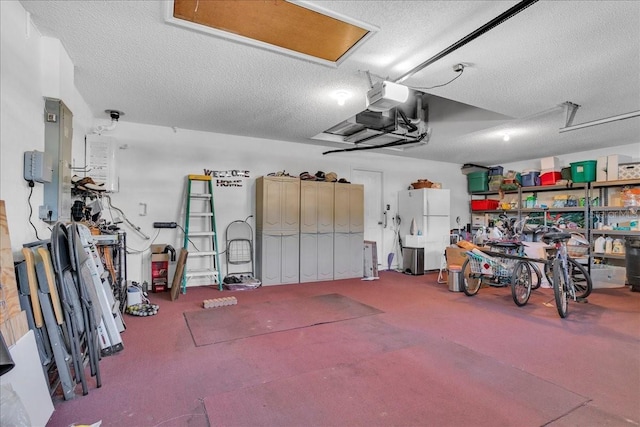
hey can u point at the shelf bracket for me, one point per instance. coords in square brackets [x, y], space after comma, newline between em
[571, 110]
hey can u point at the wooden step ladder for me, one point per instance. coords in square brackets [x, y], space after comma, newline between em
[200, 231]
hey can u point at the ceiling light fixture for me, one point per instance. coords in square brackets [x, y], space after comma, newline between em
[341, 96]
[506, 137]
[115, 116]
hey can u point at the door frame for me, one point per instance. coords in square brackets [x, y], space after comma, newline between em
[368, 192]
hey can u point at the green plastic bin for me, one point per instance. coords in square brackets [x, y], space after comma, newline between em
[583, 171]
[478, 181]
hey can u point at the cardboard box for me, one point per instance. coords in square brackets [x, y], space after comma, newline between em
[455, 255]
[629, 171]
[550, 163]
[159, 268]
[613, 162]
[160, 257]
[158, 248]
[601, 168]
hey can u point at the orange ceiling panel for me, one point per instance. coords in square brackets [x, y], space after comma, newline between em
[275, 22]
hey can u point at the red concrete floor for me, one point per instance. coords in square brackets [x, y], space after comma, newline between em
[430, 357]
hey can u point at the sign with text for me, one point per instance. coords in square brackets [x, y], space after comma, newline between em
[228, 178]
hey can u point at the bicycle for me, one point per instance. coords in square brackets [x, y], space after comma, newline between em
[504, 265]
[499, 269]
[569, 278]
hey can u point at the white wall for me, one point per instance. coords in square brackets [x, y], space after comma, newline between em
[32, 67]
[154, 162]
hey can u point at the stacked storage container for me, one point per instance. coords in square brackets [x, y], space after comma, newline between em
[550, 171]
[512, 181]
[478, 182]
[495, 178]
[530, 178]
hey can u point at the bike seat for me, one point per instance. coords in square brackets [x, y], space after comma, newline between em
[556, 236]
[504, 244]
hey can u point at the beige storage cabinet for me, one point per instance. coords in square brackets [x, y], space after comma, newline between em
[316, 231]
[348, 255]
[277, 204]
[277, 230]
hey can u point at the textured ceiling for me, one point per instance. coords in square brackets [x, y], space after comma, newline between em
[586, 52]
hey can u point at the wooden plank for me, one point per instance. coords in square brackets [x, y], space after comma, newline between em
[177, 277]
[14, 328]
[51, 281]
[9, 301]
[33, 286]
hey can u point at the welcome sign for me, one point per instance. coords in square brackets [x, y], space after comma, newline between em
[228, 178]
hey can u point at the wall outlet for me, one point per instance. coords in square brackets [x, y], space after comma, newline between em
[45, 212]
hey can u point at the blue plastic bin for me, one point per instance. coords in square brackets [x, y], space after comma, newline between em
[531, 179]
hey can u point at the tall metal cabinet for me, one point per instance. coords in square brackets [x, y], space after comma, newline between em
[58, 134]
[316, 231]
[277, 229]
[348, 253]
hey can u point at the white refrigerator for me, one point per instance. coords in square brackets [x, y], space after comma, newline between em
[430, 209]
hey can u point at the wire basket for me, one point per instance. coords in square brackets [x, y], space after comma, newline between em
[577, 251]
[497, 267]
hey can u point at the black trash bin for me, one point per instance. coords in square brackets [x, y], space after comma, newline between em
[632, 261]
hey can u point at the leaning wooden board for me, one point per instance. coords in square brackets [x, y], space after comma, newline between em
[9, 301]
[12, 320]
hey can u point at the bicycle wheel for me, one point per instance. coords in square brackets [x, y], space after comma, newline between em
[581, 279]
[578, 275]
[536, 270]
[521, 283]
[469, 281]
[560, 288]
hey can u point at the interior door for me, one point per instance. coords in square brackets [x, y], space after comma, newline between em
[373, 206]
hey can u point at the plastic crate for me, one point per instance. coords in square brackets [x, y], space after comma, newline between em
[495, 182]
[531, 179]
[583, 171]
[550, 178]
[484, 205]
[478, 181]
[495, 170]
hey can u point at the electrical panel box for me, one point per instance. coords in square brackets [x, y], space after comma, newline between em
[37, 166]
[58, 133]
